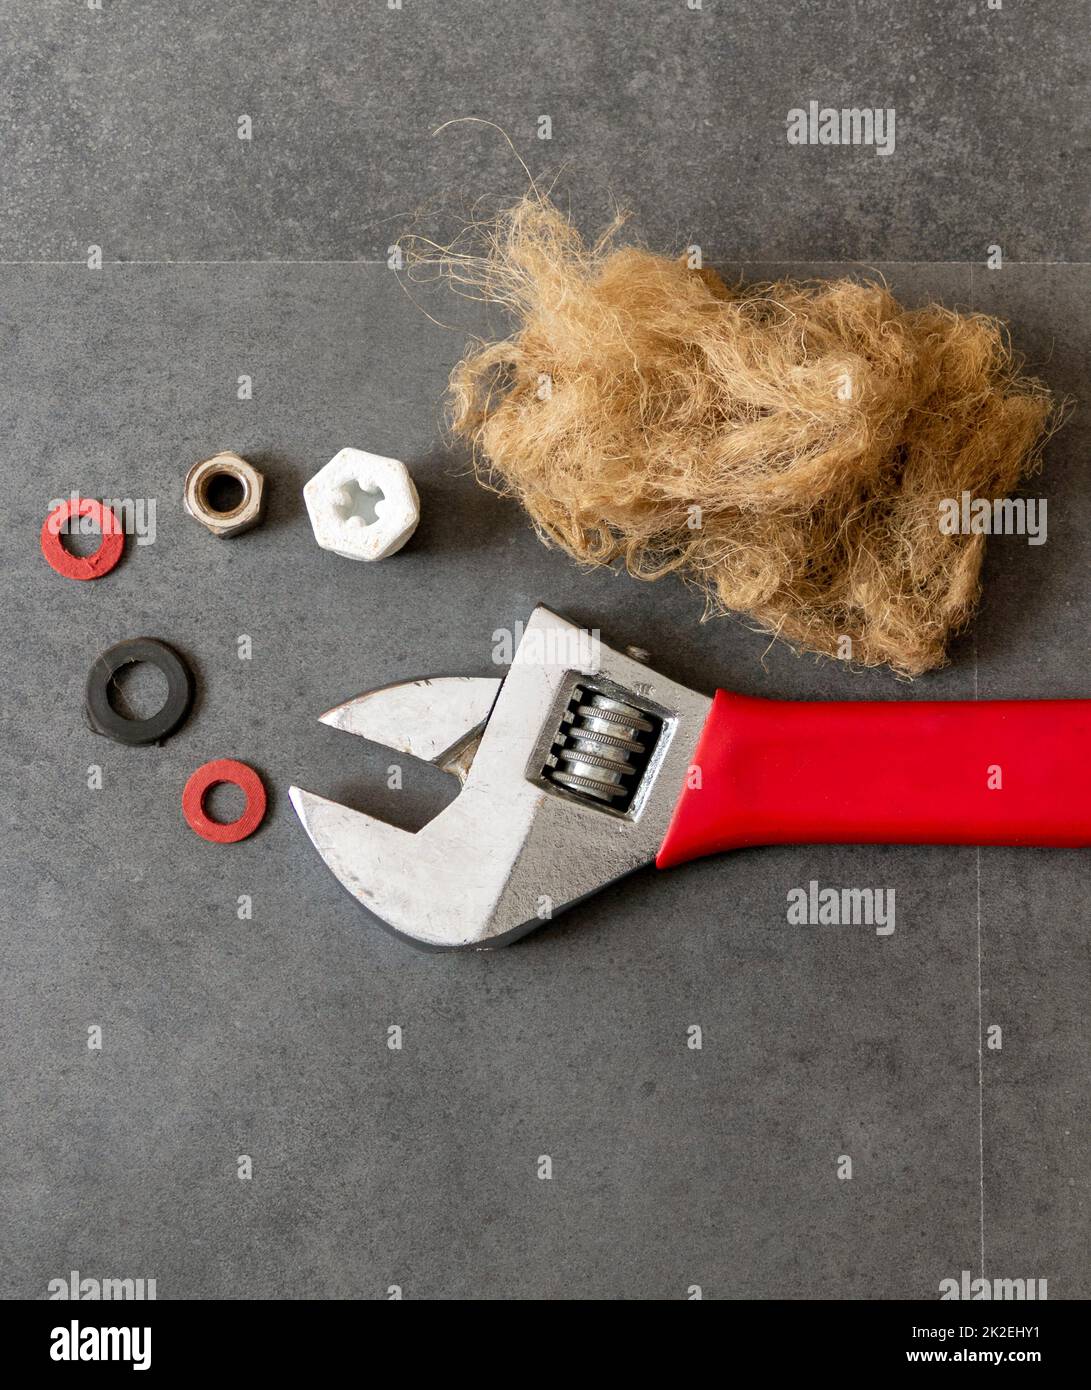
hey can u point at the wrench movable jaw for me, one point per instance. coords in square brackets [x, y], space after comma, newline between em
[515, 847]
[435, 719]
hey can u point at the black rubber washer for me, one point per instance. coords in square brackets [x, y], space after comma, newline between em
[106, 720]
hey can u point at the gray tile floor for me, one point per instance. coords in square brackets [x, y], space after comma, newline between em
[267, 1037]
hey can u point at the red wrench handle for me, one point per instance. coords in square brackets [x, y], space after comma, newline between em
[1000, 772]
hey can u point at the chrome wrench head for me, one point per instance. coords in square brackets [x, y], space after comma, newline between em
[572, 765]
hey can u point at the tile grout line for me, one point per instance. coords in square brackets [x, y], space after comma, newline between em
[272, 260]
[980, 1078]
[267, 260]
[980, 1007]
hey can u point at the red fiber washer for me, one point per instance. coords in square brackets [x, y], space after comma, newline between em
[82, 566]
[197, 788]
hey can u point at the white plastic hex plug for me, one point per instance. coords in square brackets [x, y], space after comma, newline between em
[362, 506]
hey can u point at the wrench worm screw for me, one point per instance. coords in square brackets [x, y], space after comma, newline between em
[599, 751]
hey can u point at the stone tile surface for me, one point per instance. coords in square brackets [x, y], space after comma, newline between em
[267, 1037]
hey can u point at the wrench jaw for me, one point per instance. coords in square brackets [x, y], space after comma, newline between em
[439, 720]
[513, 849]
[413, 883]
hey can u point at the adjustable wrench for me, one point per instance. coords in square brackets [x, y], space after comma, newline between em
[581, 765]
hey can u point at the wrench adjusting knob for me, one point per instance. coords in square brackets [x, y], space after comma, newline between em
[602, 748]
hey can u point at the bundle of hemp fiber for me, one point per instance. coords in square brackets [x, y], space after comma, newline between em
[788, 447]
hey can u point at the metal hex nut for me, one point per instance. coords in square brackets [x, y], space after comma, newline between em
[199, 480]
[362, 506]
